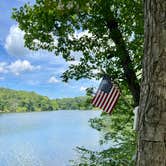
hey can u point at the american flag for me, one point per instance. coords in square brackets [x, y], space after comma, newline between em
[106, 96]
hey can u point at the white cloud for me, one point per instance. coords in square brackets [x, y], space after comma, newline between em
[14, 43]
[96, 71]
[82, 88]
[3, 67]
[53, 80]
[2, 70]
[78, 35]
[73, 62]
[19, 66]
[83, 33]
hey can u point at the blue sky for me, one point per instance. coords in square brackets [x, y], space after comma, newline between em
[22, 69]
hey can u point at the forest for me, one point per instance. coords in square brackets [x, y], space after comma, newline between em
[22, 101]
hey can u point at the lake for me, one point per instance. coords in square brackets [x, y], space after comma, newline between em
[45, 138]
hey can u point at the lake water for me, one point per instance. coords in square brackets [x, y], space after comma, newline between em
[45, 138]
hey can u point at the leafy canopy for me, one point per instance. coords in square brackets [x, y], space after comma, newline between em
[79, 31]
[22, 101]
[118, 138]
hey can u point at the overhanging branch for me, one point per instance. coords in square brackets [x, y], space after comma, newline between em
[125, 59]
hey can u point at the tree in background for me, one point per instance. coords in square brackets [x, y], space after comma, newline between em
[109, 35]
[152, 119]
[22, 101]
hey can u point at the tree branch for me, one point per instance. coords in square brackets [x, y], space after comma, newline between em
[125, 59]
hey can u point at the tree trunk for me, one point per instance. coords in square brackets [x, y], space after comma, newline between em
[125, 60]
[152, 114]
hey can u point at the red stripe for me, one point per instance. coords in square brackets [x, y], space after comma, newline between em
[102, 102]
[97, 98]
[111, 93]
[114, 104]
[94, 97]
[111, 99]
[107, 98]
[100, 99]
[109, 108]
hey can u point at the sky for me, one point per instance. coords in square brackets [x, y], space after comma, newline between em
[23, 69]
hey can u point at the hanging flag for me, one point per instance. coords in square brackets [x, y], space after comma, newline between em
[107, 95]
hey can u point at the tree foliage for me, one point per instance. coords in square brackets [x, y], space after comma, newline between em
[105, 35]
[22, 101]
[80, 103]
[117, 136]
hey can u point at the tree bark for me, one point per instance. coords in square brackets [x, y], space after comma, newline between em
[152, 114]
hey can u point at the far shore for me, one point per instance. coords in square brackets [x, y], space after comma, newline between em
[2, 112]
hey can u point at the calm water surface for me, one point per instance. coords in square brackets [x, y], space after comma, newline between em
[45, 138]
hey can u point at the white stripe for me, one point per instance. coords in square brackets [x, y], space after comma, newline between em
[103, 100]
[96, 96]
[115, 99]
[110, 99]
[107, 98]
[99, 99]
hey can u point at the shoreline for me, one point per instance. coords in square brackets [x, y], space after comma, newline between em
[1, 112]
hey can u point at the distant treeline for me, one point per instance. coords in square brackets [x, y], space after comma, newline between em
[22, 101]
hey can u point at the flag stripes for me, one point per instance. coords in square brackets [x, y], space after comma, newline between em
[107, 99]
[106, 96]
[115, 99]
